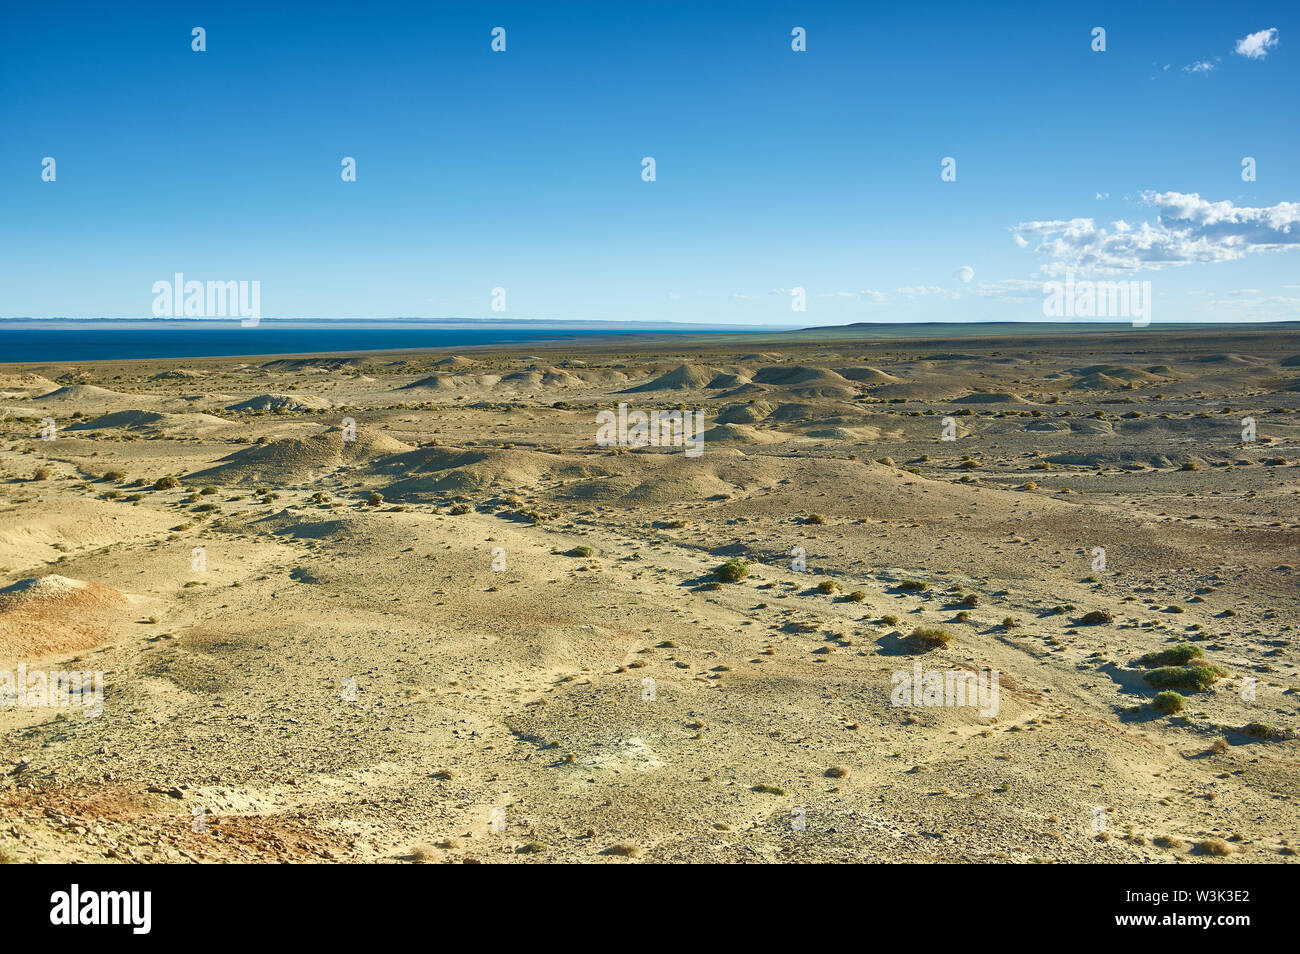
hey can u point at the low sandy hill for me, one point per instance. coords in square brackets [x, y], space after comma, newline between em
[686, 377]
[436, 470]
[84, 394]
[54, 615]
[451, 382]
[931, 389]
[541, 378]
[308, 525]
[742, 434]
[1091, 425]
[749, 413]
[434, 382]
[601, 377]
[178, 374]
[991, 397]
[34, 536]
[296, 459]
[311, 364]
[1155, 429]
[26, 381]
[796, 413]
[1044, 426]
[1105, 377]
[726, 379]
[745, 391]
[153, 421]
[860, 434]
[868, 375]
[1113, 457]
[1228, 359]
[662, 477]
[282, 402]
[796, 375]
[806, 381]
[603, 477]
[456, 362]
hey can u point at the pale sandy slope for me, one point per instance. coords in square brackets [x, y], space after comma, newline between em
[517, 693]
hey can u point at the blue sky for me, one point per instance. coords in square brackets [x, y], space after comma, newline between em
[775, 169]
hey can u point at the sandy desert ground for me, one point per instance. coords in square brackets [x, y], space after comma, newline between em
[472, 634]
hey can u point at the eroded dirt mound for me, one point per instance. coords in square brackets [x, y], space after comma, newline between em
[285, 402]
[51, 615]
[294, 459]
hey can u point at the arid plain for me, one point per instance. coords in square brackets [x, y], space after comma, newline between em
[404, 607]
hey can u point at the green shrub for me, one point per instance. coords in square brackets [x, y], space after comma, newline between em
[1262, 730]
[733, 571]
[929, 638]
[1189, 678]
[1179, 655]
[1168, 702]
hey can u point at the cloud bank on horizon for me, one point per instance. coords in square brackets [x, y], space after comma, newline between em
[1188, 229]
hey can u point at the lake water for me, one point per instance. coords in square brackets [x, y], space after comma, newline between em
[62, 340]
[119, 340]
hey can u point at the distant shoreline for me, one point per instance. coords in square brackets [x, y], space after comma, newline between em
[58, 341]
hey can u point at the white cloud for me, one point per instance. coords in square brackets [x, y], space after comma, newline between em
[912, 292]
[1010, 289]
[1187, 229]
[1256, 45]
[1273, 306]
[964, 274]
[1201, 66]
[740, 297]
